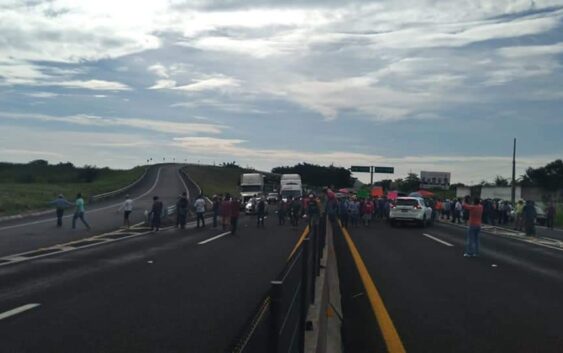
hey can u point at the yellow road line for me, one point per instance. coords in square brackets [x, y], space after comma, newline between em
[301, 239]
[388, 330]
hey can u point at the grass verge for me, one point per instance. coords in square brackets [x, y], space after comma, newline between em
[21, 197]
[215, 180]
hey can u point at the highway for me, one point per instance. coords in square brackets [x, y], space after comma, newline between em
[32, 233]
[510, 299]
[173, 291]
[404, 289]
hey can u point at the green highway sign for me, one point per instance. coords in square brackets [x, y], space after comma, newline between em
[360, 169]
[389, 170]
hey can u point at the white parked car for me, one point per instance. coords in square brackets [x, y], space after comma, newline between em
[410, 209]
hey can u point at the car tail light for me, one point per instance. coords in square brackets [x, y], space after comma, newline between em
[417, 207]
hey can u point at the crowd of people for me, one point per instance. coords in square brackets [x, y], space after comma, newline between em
[523, 216]
[351, 210]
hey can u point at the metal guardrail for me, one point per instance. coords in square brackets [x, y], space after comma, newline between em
[278, 325]
[120, 191]
[199, 191]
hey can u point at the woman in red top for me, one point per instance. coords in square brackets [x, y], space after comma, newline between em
[225, 210]
[475, 215]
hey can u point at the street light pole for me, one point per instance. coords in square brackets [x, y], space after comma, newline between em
[513, 191]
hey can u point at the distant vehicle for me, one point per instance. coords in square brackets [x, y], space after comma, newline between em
[541, 217]
[250, 206]
[410, 209]
[291, 186]
[251, 185]
[272, 197]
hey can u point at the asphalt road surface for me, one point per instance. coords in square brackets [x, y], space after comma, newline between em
[510, 299]
[36, 232]
[172, 291]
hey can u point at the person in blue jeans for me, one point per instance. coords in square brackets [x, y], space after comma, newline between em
[475, 217]
[79, 212]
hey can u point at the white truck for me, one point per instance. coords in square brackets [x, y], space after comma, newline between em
[251, 185]
[290, 186]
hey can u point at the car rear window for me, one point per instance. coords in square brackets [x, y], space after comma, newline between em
[407, 202]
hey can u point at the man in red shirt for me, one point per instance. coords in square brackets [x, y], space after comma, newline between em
[475, 216]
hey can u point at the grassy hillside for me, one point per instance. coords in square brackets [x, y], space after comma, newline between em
[215, 180]
[25, 187]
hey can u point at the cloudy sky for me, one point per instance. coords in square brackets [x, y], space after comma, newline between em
[414, 84]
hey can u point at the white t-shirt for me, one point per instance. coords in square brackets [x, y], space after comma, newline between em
[127, 205]
[199, 205]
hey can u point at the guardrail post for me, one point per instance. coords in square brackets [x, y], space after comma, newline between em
[276, 295]
[306, 273]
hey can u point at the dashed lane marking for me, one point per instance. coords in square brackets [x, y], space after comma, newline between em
[213, 238]
[18, 310]
[437, 240]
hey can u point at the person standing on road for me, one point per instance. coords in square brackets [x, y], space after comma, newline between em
[518, 224]
[199, 205]
[282, 211]
[475, 217]
[313, 210]
[215, 207]
[343, 211]
[156, 213]
[126, 207]
[294, 211]
[354, 211]
[367, 210]
[457, 212]
[331, 206]
[60, 204]
[235, 212]
[530, 214]
[79, 212]
[182, 211]
[260, 212]
[225, 210]
[446, 210]
[550, 213]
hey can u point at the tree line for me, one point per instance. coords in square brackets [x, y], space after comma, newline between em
[319, 176]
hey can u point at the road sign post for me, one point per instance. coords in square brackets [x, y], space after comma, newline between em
[371, 170]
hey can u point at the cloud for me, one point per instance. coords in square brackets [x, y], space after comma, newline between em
[95, 85]
[42, 94]
[211, 83]
[531, 50]
[168, 127]
[163, 84]
[27, 153]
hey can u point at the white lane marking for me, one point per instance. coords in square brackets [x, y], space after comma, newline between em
[214, 238]
[18, 310]
[90, 211]
[438, 240]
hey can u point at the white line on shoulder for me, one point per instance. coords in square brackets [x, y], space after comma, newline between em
[438, 240]
[214, 238]
[18, 310]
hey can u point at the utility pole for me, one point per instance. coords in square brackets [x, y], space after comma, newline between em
[371, 178]
[513, 191]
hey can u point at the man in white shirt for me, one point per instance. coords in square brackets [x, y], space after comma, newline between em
[127, 208]
[199, 205]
